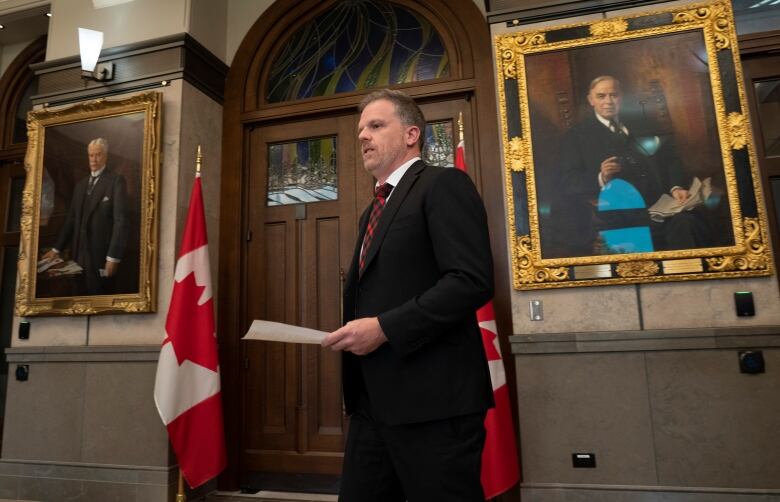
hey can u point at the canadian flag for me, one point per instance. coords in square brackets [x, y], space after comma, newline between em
[500, 466]
[187, 388]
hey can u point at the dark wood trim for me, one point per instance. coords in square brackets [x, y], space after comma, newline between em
[14, 152]
[520, 16]
[460, 22]
[137, 66]
[323, 105]
[13, 83]
[756, 44]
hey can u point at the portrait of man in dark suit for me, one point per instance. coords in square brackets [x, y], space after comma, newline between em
[95, 230]
[605, 147]
[415, 376]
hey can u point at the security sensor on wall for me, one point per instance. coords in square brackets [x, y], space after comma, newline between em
[90, 44]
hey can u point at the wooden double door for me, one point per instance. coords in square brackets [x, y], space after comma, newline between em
[296, 259]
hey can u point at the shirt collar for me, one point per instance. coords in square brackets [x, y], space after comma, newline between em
[97, 173]
[606, 123]
[395, 176]
[602, 120]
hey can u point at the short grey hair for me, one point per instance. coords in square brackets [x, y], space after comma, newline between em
[405, 107]
[596, 81]
[102, 143]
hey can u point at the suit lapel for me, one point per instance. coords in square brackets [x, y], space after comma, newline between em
[98, 192]
[388, 214]
[352, 276]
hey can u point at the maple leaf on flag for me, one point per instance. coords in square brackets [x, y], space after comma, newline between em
[490, 341]
[190, 327]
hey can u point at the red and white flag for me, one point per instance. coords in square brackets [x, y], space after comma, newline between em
[500, 466]
[187, 388]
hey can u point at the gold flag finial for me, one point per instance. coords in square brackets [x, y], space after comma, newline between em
[460, 126]
[198, 159]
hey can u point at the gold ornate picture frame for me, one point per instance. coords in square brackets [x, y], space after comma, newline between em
[89, 209]
[628, 153]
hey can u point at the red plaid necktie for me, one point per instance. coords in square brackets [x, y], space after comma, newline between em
[380, 195]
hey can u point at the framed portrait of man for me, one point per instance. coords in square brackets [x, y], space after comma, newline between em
[628, 153]
[89, 208]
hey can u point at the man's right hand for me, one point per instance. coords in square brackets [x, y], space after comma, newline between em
[50, 254]
[609, 168]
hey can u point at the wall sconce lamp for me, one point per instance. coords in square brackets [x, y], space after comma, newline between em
[90, 43]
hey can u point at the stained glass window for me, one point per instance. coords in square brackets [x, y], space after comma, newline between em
[438, 149]
[302, 171]
[355, 45]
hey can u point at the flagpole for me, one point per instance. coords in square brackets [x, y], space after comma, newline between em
[181, 497]
[460, 126]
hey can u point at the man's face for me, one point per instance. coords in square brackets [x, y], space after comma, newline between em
[605, 98]
[97, 157]
[384, 140]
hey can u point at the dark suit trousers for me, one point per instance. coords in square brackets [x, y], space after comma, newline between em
[422, 462]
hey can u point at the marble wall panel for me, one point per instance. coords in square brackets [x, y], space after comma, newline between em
[121, 24]
[45, 414]
[585, 403]
[708, 304]
[121, 423]
[611, 308]
[52, 331]
[201, 124]
[715, 426]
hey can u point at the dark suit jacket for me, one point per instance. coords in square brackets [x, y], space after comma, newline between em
[587, 144]
[96, 224]
[428, 270]
[575, 221]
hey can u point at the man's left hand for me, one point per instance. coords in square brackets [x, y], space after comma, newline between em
[680, 195]
[111, 268]
[361, 337]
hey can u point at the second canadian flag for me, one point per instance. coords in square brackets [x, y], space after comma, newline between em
[500, 465]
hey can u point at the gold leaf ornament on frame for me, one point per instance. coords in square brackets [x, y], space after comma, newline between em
[756, 255]
[508, 46]
[737, 131]
[637, 269]
[608, 28]
[717, 18]
[517, 154]
[527, 273]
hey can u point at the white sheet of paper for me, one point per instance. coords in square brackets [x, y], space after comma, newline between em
[278, 332]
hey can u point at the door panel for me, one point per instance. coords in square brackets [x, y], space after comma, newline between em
[293, 419]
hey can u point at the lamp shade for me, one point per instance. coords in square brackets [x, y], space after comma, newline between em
[90, 43]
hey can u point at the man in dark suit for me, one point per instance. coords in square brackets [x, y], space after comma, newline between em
[94, 228]
[603, 147]
[415, 375]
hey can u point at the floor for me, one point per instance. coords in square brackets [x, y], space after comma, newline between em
[267, 496]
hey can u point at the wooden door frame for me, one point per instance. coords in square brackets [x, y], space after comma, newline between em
[321, 457]
[12, 85]
[466, 34]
